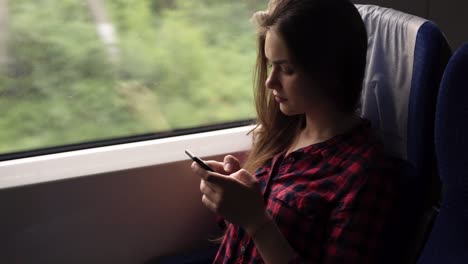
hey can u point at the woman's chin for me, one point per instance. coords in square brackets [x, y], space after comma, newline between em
[287, 111]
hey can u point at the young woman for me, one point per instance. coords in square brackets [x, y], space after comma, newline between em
[316, 187]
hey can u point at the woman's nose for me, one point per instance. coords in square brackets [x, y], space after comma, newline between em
[272, 81]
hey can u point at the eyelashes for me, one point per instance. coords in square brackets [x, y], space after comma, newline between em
[283, 68]
[288, 71]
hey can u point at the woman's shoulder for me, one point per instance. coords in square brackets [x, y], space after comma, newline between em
[360, 157]
[359, 147]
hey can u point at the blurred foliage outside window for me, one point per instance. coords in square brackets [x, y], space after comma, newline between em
[74, 71]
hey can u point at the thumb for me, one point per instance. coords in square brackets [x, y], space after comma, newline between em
[231, 164]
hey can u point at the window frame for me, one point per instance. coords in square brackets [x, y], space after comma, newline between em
[121, 140]
[88, 160]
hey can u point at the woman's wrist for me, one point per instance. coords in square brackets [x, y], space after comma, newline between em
[269, 241]
[261, 222]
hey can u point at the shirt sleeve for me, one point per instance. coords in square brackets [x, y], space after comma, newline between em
[356, 224]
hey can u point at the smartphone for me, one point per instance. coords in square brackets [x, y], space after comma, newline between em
[199, 161]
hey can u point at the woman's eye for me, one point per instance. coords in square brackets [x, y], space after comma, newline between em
[287, 70]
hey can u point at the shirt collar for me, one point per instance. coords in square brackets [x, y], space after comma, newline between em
[355, 136]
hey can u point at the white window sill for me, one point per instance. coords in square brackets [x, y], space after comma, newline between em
[67, 165]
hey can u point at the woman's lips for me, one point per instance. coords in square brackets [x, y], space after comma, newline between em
[280, 99]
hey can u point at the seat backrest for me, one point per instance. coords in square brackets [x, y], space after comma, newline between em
[448, 241]
[407, 56]
[405, 62]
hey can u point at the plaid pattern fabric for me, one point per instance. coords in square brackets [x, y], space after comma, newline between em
[330, 200]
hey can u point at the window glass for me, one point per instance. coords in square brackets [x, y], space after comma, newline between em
[74, 71]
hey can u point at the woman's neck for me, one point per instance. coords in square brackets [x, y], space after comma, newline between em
[323, 127]
[320, 128]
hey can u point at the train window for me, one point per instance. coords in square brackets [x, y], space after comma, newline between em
[74, 72]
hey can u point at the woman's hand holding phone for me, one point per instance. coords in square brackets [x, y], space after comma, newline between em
[230, 164]
[232, 192]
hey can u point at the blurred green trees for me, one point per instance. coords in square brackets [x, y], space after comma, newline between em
[179, 64]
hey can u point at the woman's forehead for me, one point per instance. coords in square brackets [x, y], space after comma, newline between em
[275, 47]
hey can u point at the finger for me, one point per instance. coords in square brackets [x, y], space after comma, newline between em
[218, 180]
[214, 187]
[207, 188]
[197, 169]
[211, 177]
[245, 177]
[231, 164]
[216, 166]
[209, 204]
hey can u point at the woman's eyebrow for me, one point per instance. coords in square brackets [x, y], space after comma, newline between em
[277, 62]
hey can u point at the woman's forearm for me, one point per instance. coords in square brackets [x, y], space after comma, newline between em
[271, 244]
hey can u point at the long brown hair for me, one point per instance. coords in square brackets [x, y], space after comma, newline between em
[334, 53]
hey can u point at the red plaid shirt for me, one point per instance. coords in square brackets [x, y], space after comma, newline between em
[330, 201]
